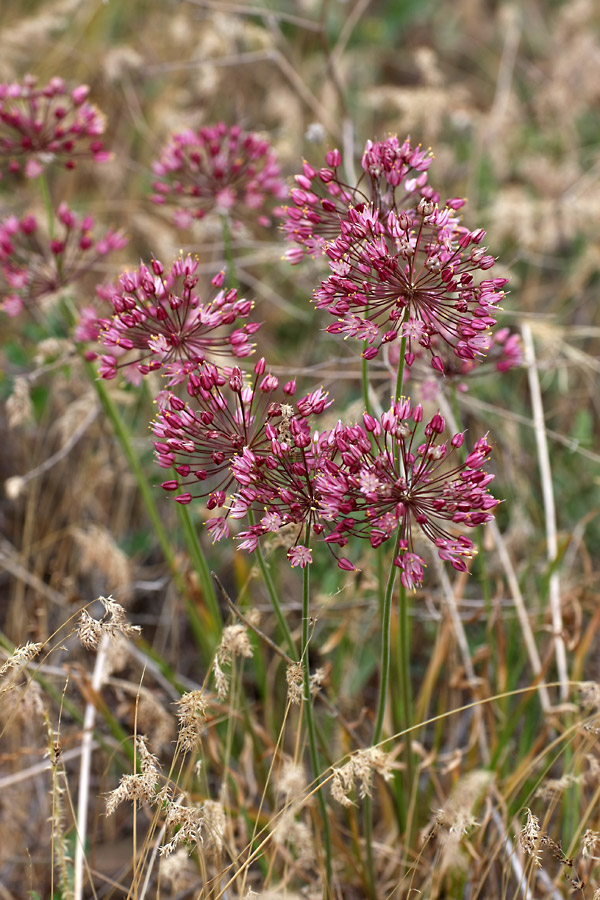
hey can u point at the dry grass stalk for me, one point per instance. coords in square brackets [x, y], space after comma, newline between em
[141, 786]
[360, 768]
[191, 712]
[114, 624]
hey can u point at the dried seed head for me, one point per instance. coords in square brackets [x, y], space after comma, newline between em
[360, 768]
[234, 642]
[177, 871]
[21, 656]
[590, 694]
[590, 844]
[531, 837]
[113, 624]
[192, 719]
[188, 820]
[295, 682]
[317, 680]
[221, 680]
[215, 823]
[140, 786]
[291, 780]
[19, 408]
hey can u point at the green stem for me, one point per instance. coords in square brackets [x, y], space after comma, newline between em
[228, 252]
[201, 567]
[406, 695]
[310, 722]
[364, 367]
[386, 617]
[274, 598]
[400, 373]
[47, 200]
[123, 436]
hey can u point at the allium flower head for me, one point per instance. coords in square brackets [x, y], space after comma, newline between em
[41, 124]
[417, 274]
[285, 492]
[204, 438]
[394, 177]
[162, 321]
[33, 266]
[217, 168]
[392, 481]
[246, 448]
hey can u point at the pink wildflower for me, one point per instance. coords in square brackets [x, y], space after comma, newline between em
[417, 275]
[205, 439]
[300, 556]
[389, 483]
[394, 177]
[32, 265]
[234, 436]
[161, 322]
[40, 124]
[217, 168]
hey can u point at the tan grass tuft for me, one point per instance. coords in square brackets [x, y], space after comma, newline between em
[113, 625]
[295, 682]
[139, 786]
[21, 656]
[531, 838]
[191, 712]
[360, 768]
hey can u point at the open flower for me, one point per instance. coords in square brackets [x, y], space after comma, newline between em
[209, 439]
[394, 177]
[283, 492]
[33, 265]
[161, 321]
[248, 452]
[391, 482]
[217, 168]
[417, 275]
[42, 124]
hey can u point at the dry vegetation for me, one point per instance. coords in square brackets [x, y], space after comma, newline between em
[153, 743]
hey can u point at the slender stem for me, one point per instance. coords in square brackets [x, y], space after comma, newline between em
[405, 690]
[386, 617]
[274, 598]
[228, 252]
[310, 722]
[123, 436]
[364, 368]
[200, 565]
[47, 200]
[400, 373]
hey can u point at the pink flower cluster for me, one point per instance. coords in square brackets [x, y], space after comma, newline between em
[401, 265]
[259, 458]
[392, 482]
[394, 178]
[41, 124]
[217, 168]
[161, 321]
[32, 265]
[246, 438]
